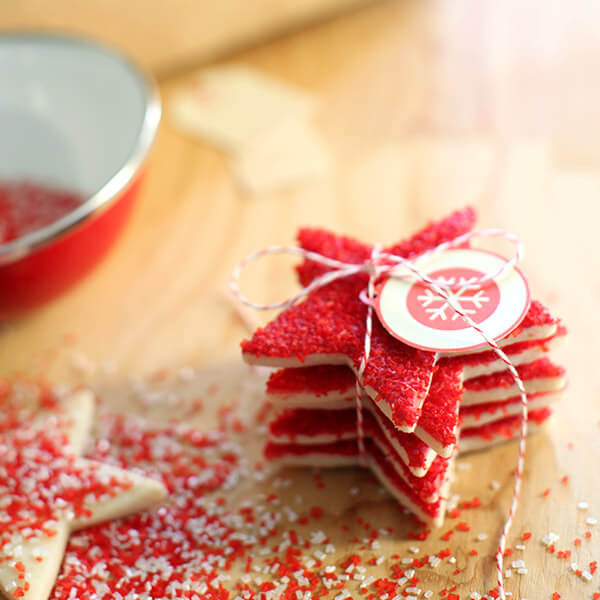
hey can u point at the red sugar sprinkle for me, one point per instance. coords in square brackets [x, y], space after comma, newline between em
[159, 374]
[316, 512]
[474, 503]
[564, 479]
[527, 536]
[555, 596]
[353, 559]
[462, 526]
[546, 492]
[421, 536]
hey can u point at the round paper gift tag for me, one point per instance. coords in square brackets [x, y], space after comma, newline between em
[413, 313]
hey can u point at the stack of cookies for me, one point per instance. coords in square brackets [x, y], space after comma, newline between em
[419, 408]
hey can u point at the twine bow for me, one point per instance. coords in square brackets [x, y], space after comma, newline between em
[378, 265]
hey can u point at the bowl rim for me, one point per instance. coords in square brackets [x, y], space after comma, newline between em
[102, 198]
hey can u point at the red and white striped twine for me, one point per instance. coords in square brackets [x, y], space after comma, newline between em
[380, 264]
[360, 434]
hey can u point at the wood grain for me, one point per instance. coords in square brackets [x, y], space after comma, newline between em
[167, 36]
[426, 106]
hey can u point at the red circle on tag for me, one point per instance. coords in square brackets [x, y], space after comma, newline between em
[414, 314]
[432, 310]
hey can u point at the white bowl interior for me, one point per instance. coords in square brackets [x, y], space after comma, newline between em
[71, 112]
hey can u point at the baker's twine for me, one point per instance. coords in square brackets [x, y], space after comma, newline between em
[381, 264]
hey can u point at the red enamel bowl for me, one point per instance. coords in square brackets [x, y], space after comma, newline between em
[77, 116]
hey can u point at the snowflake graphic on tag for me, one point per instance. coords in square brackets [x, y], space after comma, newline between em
[415, 314]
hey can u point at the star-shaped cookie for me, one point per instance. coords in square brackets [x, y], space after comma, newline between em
[329, 326]
[47, 490]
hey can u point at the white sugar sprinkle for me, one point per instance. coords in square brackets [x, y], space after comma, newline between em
[549, 539]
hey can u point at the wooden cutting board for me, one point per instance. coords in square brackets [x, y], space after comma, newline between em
[163, 36]
[425, 109]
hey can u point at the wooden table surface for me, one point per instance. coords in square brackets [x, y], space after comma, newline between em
[426, 106]
[168, 36]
